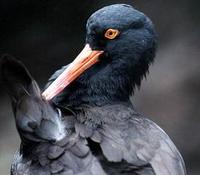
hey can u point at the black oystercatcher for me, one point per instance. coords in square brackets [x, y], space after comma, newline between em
[121, 44]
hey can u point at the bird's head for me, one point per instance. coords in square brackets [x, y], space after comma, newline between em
[127, 38]
[120, 45]
[122, 33]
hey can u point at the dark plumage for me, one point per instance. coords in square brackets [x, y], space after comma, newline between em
[48, 143]
[125, 60]
[124, 141]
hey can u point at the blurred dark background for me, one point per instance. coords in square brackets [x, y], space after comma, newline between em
[45, 34]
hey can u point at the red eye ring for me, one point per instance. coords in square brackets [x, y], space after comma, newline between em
[111, 33]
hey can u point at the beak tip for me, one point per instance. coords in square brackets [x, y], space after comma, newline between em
[83, 61]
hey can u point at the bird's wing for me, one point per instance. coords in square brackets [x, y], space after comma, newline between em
[49, 144]
[70, 157]
[35, 118]
[80, 160]
[167, 159]
[138, 141]
[16, 78]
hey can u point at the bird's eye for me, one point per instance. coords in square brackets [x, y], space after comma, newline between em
[111, 33]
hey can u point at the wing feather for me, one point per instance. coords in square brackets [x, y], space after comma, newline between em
[139, 142]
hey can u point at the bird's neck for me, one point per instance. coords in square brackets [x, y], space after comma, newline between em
[98, 88]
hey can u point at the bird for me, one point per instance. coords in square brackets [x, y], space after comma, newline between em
[121, 44]
[48, 144]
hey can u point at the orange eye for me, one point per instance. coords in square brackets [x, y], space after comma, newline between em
[111, 33]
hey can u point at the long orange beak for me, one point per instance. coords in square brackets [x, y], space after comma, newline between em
[82, 62]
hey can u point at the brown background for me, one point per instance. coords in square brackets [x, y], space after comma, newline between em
[46, 33]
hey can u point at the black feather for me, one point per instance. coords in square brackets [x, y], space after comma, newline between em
[49, 144]
[14, 77]
[123, 141]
